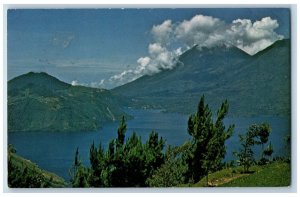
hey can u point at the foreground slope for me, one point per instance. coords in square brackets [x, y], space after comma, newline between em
[22, 173]
[274, 174]
[38, 101]
[258, 84]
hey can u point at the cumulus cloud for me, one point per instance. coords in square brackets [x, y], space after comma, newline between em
[143, 61]
[162, 33]
[253, 37]
[171, 39]
[201, 30]
[160, 59]
[207, 31]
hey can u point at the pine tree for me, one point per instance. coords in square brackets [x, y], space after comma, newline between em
[79, 174]
[121, 133]
[208, 143]
[97, 160]
[246, 154]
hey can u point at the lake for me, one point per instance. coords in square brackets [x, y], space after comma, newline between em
[54, 151]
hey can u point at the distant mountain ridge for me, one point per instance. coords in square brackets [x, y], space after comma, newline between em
[38, 101]
[254, 85]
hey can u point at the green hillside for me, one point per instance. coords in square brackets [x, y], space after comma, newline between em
[275, 174]
[22, 173]
[253, 85]
[38, 101]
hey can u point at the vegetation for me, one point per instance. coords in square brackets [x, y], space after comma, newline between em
[24, 174]
[38, 101]
[256, 134]
[171, 173]
[131, 163]
[230, 72]
[125, 164]
[198, 162]
[275, 174]
[208, 144]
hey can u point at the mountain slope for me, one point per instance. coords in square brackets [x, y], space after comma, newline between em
[22, 173]
[38, 101]
[258, 84]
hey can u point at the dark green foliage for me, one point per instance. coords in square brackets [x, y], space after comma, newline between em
[208, 143]
[121, 132]
[81, 178]
[255, 135]
[24, 174]
[268, 151]
[172, 172]
[263, 132]
[245, 155]
[79, 174]
[131, 163]
[125, 164]
[38, 101]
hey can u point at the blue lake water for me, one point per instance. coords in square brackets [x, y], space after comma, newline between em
[54, 151]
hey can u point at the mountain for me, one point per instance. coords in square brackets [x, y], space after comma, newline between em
[38, 101]
[253, 85]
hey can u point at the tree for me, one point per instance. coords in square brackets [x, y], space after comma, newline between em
[245, 154]
[126, 163]
[97, 160]
[263, 131]
[171, 172]
[79, 174]
[268, 151]
[81, 178]
[121, 132]
[154, 153]
[208, 142]
[257, 134]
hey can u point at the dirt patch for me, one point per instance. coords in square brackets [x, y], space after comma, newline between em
[223, 180]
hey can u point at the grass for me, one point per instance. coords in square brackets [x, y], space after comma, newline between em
[276, 174]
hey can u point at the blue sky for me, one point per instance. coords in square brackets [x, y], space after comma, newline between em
[89, 45]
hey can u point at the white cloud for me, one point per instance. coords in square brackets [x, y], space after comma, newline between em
[76, 83]
[253, 37]
[143, 61]
[209, 32]
[161, 33]
[266, 23]
[155, 49]
[204, 31]
[178, 51]
[200, 30]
